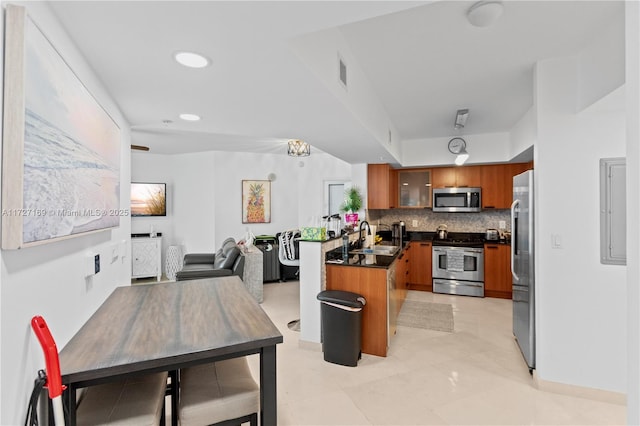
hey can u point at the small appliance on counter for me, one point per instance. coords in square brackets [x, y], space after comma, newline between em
[441, 232]
[333, 224]
[491, 235]
[399, 232]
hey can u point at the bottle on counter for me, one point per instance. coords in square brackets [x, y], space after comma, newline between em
[345, 246]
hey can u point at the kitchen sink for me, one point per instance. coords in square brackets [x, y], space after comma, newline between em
[377, 250]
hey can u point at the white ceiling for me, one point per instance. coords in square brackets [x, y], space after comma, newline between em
[423, 61]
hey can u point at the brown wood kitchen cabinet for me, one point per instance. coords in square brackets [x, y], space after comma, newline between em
[414, 188]
[420, 266]
[443, 177]
[497, 270]
[382, 186]
[402, 275]
[496, 193]
[497, 184]
[372, 283]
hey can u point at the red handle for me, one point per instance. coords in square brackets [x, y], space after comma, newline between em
[54, 381]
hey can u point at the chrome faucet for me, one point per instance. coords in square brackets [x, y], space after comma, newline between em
[360, 232]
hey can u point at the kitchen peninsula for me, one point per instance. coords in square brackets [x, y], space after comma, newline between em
[374, 277]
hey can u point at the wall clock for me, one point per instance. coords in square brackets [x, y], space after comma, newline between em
[457, 145]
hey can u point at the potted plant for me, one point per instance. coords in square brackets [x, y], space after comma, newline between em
[351, 205]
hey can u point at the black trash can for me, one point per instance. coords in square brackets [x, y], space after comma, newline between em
[270, 264]
[341, 313]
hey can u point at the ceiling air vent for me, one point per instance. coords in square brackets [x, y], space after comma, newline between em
[342, 72]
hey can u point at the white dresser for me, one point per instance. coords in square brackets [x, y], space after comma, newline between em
[146, 256]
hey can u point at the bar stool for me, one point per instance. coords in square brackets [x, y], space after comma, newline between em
[222, 393]
[135, 401]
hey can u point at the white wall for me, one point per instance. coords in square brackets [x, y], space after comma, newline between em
[206, 193]
[232, 168]
[311, 185]
[581, 304]
[49, 280]
[321, 50]
[632, 28]
[194, 200]
[600, 70]
[523, 135]
[148, 167]
[482, 148]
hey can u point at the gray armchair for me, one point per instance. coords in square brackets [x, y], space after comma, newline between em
[228, 260]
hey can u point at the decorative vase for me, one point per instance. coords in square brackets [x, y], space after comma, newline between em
[351, 218]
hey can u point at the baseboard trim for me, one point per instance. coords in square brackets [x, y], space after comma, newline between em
[579, 391]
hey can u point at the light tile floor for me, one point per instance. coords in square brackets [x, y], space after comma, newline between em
[474, 376]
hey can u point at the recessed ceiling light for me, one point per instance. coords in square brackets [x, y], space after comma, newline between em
[485, 13]
[191, 60]
[190, 117]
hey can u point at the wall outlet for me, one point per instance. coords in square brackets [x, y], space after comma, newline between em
[414, 223]
[502, 224]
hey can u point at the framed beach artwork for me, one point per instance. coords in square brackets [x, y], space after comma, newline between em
[256, 201]
[61, 149]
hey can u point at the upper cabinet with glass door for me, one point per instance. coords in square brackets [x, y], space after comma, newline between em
[414, 187]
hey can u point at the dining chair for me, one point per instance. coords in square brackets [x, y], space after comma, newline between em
[221, 393]
[136, 401]
[288, 251]
[132, 401]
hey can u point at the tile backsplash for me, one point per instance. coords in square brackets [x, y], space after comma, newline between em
[426, 220]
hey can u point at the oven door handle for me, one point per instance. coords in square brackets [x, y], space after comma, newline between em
[514, 241]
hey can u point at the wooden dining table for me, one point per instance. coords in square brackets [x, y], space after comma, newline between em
[142, 329]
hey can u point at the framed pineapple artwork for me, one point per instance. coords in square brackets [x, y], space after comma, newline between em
[256, 201]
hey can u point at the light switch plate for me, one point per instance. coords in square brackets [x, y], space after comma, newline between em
[414, 223]
[502, 224]
[556, 241]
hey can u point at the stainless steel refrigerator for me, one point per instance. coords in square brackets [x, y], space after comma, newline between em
[522, 266]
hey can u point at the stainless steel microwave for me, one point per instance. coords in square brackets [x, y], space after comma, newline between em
[460, 199]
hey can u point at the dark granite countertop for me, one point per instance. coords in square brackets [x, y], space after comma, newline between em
[336, 257]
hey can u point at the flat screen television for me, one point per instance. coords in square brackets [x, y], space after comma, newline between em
[148, 199]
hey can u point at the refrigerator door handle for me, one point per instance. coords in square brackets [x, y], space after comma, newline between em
[514, 240]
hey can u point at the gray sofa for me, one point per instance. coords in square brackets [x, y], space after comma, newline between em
[228, 260]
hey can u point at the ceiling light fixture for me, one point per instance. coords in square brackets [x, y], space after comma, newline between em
[458, 146]
[484, 13]
[298, 148]
[189, 117]
[191, 59]
[462, 157]
[461, 118]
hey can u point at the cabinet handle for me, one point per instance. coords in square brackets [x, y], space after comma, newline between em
[491, 247]
[489, 207]
[425, 244]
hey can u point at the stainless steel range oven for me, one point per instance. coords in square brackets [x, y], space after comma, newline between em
[458, 269]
